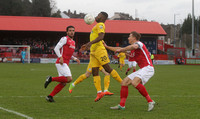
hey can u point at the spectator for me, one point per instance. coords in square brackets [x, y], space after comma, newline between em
[152, 57]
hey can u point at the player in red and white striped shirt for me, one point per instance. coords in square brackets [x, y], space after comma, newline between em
[64, 50]
[140, 77]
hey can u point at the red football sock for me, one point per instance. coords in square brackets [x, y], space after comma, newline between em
[143, 92]
[61, 79]
[123, 95]
[127, 69]
[57, 89]
[134, 70]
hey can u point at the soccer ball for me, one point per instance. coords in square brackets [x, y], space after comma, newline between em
[89, 19]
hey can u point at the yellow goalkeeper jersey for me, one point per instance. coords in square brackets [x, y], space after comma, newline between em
[98, 28]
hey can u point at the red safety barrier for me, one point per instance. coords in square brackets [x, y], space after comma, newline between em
[160, 57]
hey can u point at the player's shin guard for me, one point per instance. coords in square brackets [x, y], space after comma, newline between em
[97, 83]
[116, 76]
[79, 79]
[57, 89]
[143, 92]
[123, 95]
[106, 82]
[61, 79]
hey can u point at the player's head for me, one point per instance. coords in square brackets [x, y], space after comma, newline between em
[105, 15]
[70, 31]
[102, 17]
[133, 37]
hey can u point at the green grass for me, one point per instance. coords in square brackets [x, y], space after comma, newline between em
[174, 87]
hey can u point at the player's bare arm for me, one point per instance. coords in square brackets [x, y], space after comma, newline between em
[110, 47]
[128, 48]
[99, 38]
[76, 59]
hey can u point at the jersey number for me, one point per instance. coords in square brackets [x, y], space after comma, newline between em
[104, 58]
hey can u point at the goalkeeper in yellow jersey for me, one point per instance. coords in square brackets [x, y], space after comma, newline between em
[87, 74]
[122, 57]
[98, 53]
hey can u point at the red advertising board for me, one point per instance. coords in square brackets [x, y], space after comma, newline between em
[160, 45]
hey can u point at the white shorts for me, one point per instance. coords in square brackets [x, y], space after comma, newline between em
[63, 70]
[132, 64]
[144, 74]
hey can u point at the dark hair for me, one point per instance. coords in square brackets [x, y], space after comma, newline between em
[105, 14]
[69, 27]
[136, 35]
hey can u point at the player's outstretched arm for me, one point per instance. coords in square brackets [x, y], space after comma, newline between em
[128, 48]
[110, 47]
[76, 59]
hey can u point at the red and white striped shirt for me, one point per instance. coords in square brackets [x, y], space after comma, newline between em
[65, 48]
[142, 56]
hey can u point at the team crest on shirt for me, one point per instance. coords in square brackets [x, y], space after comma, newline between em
[71, 46]
[101, 27]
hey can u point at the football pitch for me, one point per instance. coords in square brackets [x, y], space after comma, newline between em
[175, 88]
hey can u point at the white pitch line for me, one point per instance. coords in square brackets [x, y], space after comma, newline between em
[17, 113]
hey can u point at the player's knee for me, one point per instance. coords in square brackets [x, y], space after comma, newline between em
[125, 82]
[106, 73]
[136, 81]
[134, 84]
[69, 79]
[87, 74]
